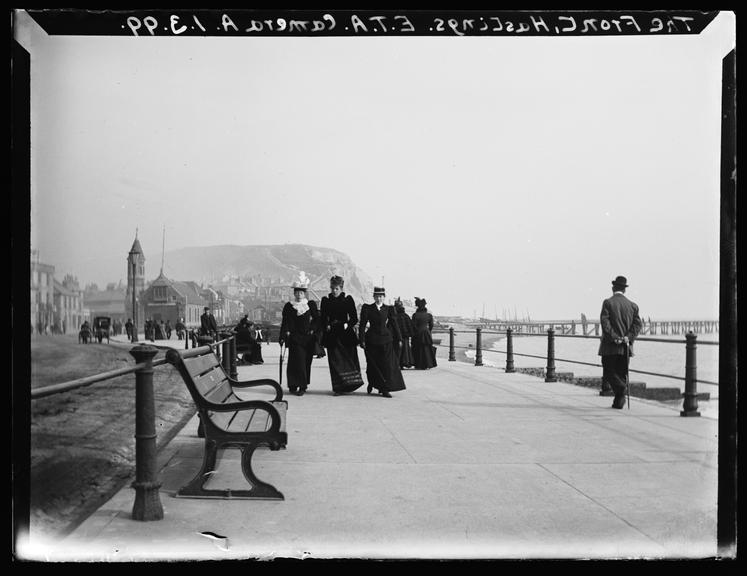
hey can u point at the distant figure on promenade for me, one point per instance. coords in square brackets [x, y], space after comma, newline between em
[245, 340]
[378, 333]
[180, 329]
[620, 326]
[406, 331]
[160, 330]
[338, 320]
[128, 328]
[150, 330]
[423, 351]
[297, 332]
[167, 329]
[208, 325]
[256, 357]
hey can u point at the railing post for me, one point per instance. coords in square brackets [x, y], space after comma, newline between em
[147, 499]
[690, 403]
[234, 373]
[226, 354]
[186, 338]
[478, 347]
[509, 351]
[550, 371]
[452, 355]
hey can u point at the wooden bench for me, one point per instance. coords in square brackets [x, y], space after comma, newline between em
[227, 421]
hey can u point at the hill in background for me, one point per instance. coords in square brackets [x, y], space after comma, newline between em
[214, 264]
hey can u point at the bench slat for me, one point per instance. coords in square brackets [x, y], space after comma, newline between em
[200, 364]
[247, 420]
[210, 382]
[222, 394]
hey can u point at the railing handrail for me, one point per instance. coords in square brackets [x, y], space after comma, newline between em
[588, 337]
[88, 380]
[52, 389]
[552, 335]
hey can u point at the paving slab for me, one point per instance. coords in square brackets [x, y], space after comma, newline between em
[468, 462]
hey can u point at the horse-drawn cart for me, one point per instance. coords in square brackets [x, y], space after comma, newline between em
[101, 328]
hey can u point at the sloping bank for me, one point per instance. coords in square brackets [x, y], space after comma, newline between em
[82, 445]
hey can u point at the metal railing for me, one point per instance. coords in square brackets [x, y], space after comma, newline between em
[690, 402]
[147, 504]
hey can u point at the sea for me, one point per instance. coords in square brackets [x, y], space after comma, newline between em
[659, 357]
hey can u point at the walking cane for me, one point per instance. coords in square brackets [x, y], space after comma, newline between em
[281, 363]
[627, 368]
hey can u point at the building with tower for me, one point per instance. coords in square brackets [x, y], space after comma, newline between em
[135, 282]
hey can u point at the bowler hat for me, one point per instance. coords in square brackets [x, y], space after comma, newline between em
[621, 281]
[379, 290]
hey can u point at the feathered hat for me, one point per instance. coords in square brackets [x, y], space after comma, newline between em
[302, 283]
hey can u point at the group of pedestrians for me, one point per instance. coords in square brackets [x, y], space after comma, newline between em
[390, 339]
[416, 349]
[156, 330]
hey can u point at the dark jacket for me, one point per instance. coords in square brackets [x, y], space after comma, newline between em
[422, 322]
[383, 327]
[208, 324]
[335, 314]
[405, 324]
[303, 329]
[619, 317]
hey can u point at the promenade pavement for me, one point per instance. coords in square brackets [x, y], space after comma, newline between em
[467, 463]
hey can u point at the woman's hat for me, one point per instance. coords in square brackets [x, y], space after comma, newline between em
[336, 281]
[302, 283]
[379, 290]
[621, 281]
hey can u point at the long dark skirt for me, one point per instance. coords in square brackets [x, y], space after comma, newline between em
[344, 368]
[255, 354]
[299, 367]
[423, 352]
[405, 354]
[382, 368]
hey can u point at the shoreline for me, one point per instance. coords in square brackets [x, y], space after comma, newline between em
[463, 342]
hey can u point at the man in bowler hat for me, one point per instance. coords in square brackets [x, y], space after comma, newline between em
[620, 326]
[208, 325]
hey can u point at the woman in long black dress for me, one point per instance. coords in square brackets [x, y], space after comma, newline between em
[423, 353]
[297, 332]
[338, 320]
[382, 364]
[405, 329]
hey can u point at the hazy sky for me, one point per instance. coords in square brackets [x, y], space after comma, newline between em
[511, 173]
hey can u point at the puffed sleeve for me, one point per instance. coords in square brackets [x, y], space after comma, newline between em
[285, 324]
[324, 313]
[394, 324]
[362, 325]
[352, 313]
[314, 309]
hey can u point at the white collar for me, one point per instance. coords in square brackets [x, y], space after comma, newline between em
[301, 307]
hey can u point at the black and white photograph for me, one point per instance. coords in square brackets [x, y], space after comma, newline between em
[373, 285]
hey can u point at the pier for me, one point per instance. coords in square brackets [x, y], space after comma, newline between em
[592, 328]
